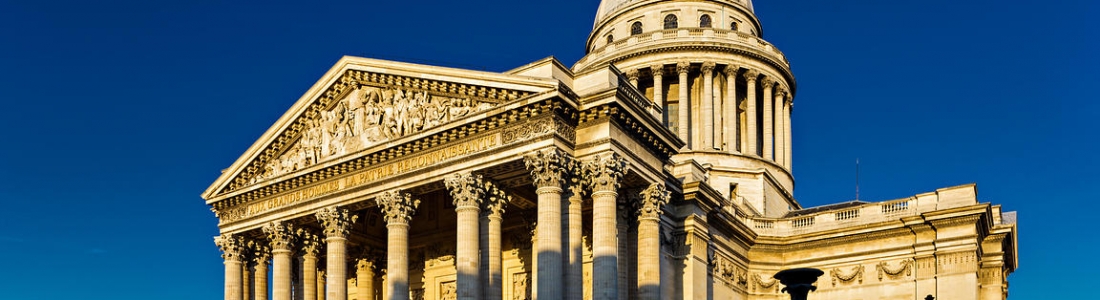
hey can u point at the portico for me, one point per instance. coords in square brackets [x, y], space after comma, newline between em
[470, 186]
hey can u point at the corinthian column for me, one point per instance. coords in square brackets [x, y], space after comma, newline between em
[574, 264]
[708, 105]
[467, 191]
[282, 239]
[683, 107]
[233, 249]
[649, 241]
[750, 112]
[261, 256]
[632, 75]
[729, 110]
[547, 168]
[604, 174]
[311, 246]
[398, 208]
[658, 71]
[780, 127]
[337, 222]
[768, 123]
[492, 272]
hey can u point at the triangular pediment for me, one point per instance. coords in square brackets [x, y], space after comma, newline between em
[365, 103]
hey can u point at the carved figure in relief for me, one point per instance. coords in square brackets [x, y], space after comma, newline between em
[521, 287]
[364, 117]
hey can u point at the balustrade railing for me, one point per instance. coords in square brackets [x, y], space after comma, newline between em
[826, 220]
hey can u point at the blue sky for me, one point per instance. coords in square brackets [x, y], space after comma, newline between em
[118, 114]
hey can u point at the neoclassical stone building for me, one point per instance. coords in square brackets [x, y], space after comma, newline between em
[657, 167]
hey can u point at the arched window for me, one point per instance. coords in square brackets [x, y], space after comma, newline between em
[733, 26]
[636, 28]
[704, 21]
[670, 22]
[610, 39]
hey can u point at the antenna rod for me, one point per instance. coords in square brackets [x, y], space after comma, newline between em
[857, 179]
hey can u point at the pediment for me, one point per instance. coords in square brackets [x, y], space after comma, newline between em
[362, 104]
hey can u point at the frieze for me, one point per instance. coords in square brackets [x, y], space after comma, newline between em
[332, 107]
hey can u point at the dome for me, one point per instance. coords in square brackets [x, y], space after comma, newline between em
[607, 7]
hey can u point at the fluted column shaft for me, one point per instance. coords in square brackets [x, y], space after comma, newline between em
[750, 113]
[309, 277]
[605, 172]
[787, 132]
[321, 284]
[658, 72]
[683, 105]
[780, 128]
[574, 272]
[232, 250]
[398, 209]
[364, 279]
[260, 283]
[730, 120]
[494, 286]
[708, 106]
[769, 124]
[247, 282]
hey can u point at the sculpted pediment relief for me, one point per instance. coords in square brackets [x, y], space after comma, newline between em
[364, 117]
[362, 103]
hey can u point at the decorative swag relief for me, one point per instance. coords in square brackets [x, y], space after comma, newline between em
[365, 117]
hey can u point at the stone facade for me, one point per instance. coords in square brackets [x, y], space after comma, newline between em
[657, 167]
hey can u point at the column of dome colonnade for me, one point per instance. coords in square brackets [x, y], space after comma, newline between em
[714, 122]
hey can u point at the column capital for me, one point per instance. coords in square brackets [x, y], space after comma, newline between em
[397, 207]
[708, 67]
[260, 253]
[653, 198]
[632, 75]
[336, 221]
[281, 235]
[731, 70]
[628, 201]
[311, 242]
[495, 200]
[605, 171]
[683, 67]
[547, 166]
[767, 83]
[751, 75]
[657, 69]
[467, 190]
[232, 246]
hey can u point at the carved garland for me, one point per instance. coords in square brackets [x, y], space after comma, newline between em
[763, 285]
[885, 269]
[856, 274]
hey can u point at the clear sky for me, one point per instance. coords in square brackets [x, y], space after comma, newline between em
[118, 114]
